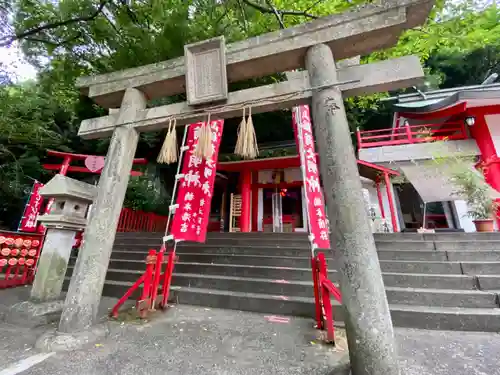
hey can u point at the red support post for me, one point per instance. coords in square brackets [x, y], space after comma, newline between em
[358, 137]
[390, 198]
[325, 297]
[317, 300]
[143, 303]
[167, 279]
[408, 133]
[380, 200]
[255, 209]
[246, 194]
[156, 280]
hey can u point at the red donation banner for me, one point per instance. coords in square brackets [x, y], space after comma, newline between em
[196, 187]
[304, 138]
[28, 221]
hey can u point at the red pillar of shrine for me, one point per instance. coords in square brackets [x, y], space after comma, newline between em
[380, 200]
[489, 158]
[490, 162]
[255, 205]
[246, 196]
[390, 198]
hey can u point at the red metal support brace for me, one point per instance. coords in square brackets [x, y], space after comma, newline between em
[167, 278]
[408, 133]
[144, 303]
[327, 305]
[156, 280]
[315, 276]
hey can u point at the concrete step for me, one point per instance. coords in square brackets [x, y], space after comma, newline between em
[415, 266]
[413, 255]
[489, 256]
[225, 242]
[406, 280]
[285, 289]
[406, 266]
[446, 318]
[454, 236]
[404, 245]
[478, 245]
[128, 271]
[494, 236]
[464, 245]
[228, 250]
[441, 297]
[261, 260]
[272, 287]
[480, 268]
[489, 282]
[255, 302]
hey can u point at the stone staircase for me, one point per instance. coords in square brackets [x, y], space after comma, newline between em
[433, 281]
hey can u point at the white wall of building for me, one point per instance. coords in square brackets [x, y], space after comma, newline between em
[419, 151]
[465, 222]
[372, 190]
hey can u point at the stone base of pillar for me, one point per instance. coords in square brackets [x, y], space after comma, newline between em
[55, 341]
[32, 314]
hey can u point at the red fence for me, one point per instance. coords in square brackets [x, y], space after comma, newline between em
[323, 288]
[140, 221]
[19, 254]
[412, 134]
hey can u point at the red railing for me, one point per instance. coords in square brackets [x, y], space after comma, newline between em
[411, 134]
[19, 253]
[323, 288]
[150, 281]
[140, 221]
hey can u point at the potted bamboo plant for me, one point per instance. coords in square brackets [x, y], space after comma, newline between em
[477, 193]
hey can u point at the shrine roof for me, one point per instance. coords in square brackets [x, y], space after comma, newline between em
[446, 102]
[366, 169]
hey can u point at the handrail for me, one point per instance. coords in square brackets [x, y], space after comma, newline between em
[150, 281]
[323, 288]
[411, 134]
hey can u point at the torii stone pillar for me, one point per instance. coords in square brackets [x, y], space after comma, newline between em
[368, 321]
[85, 289]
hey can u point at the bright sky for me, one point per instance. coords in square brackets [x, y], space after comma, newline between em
[15, 63]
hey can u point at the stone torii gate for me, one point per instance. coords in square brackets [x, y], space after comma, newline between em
[203, 73]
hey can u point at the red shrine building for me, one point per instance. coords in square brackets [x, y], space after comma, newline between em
[267, 195]
[462, 121]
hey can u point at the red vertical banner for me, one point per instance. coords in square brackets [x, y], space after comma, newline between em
[31, 210]
[196, 187]
[304, 138]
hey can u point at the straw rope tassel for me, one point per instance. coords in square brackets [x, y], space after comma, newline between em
[204, 146]
[172, 150]
[238, 149]
[168, 152]
[252, 149]
[246, 145]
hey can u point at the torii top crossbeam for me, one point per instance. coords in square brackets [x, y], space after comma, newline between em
[356, 32]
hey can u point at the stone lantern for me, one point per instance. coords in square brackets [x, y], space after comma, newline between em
[67, 217]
